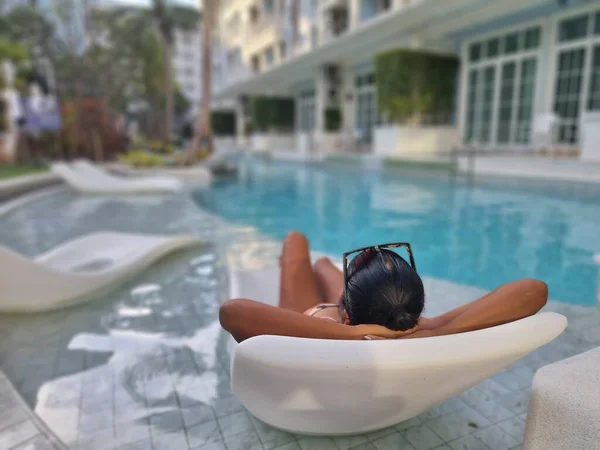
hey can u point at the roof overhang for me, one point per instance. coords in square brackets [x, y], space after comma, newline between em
[415, 24]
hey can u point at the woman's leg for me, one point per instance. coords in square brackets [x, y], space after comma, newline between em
[330, 280]
[298, 290]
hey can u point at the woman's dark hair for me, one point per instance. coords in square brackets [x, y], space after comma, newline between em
[383, 289]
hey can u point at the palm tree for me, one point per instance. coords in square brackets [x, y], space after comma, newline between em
[203, 139]
[165, 28]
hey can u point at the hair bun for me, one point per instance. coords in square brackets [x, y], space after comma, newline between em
[400, 319]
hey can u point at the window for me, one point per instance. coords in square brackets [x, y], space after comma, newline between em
[577, 79]
[501, 88]
[572, 29]
[269, 57]
[255, 63]
[268, 6]
[532, 38]
[282, 49]
[254, 15]
[568, 93]
[367, 111]
[594, 97]
[493, 48]
[505, 107]
[307, 108]
[511, 43]
[475, 52]
[526, 98]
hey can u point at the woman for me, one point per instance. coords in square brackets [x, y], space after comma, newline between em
[383, 298]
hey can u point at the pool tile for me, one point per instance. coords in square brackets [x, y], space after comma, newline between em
[269, 436]
[393, 441]
[422, 438]
[313, 442]
[204, 434]
[39, 442]
[248, 440]
[346, 442]
[235, 423]
[17, 434]
[364, 446]
[169, 441]
[131, 432]
[99, 440]
[375, 435]
[197, 414]
[169, 421]
[495, 438]
[468, 442]
[144, 444]
[514, 426]
[412, 422]
[291, 446]
[458, 424]
[92, 422]
[211, 446]
[492, 410]
[226, 406]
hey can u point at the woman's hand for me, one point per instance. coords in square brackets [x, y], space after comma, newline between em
[378, 332]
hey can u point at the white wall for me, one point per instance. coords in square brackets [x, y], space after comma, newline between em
[414, 141]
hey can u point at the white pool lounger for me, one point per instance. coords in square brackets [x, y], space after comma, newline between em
[89, 179]
[78, 269]
[330, 387]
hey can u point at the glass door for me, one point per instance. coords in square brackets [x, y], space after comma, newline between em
[568, 94]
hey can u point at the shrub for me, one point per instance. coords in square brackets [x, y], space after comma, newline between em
[415, 86]
[223, 123]
[141, 158]
[333, 119]
[272, 113]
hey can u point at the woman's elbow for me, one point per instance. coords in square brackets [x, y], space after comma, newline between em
[537, 293]
[231, 317]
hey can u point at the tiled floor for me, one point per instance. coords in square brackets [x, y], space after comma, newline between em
[146, 367]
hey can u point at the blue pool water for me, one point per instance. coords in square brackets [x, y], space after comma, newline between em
[483, 235]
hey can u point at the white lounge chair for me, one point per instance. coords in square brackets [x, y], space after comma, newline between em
[316, 386]
[89, 179]
[78, 269]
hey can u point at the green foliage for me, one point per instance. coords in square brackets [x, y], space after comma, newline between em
[9, 170]
[13, 51]
[141, 158]
[415, 86]
[223, 123]
[333, 119]
[153, 146]
[272, 113]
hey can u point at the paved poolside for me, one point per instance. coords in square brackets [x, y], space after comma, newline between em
[146, 366]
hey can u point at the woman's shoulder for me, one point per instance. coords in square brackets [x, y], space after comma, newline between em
[325, 311]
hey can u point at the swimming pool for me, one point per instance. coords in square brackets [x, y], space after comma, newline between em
[482, 235]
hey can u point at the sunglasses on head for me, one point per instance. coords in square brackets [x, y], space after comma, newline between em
[376, 248]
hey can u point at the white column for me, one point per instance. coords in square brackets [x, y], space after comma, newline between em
[321, 100]
[348, 100]
[353, 13]
[546, 70]
[240, 123]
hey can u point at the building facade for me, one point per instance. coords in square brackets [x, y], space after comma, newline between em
[522, 64]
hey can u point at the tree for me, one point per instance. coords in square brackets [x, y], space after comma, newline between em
[203, 138]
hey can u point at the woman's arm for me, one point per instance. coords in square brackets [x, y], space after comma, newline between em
[245, 318]
[510, 302]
